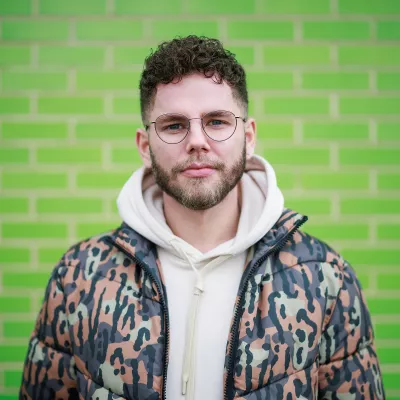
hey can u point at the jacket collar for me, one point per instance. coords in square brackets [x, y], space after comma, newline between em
[145, 251]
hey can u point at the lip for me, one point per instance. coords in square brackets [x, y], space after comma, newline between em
[198, 170]
[198, 166]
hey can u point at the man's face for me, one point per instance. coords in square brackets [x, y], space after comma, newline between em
[175, 166]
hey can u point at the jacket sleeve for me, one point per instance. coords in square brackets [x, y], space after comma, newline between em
[49, 368]
[349, 366]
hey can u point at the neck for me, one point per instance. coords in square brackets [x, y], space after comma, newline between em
[204, 229]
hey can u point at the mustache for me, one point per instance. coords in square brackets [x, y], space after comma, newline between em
[218, 165]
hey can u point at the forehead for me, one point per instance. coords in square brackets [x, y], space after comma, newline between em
[193, 95]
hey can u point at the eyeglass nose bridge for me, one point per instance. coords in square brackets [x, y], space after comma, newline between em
[201, 124]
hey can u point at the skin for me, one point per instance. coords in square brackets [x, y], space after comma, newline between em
[206, 217]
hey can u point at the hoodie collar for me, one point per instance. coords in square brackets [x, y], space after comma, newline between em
[146, 252]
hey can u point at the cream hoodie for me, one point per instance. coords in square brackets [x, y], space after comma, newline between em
[201, 287]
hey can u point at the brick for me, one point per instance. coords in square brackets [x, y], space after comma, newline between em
[365, 206]
[12, 379]
[297, 156]
[388, 231]
[371, 256]
[388, 181]
[387, 331]
[154, 7]
[18, 329]
[15, 56]
[388, 81]
[69, 205]
[339, 231]
[388, 281]
[13, 155]
[12, 305]
[388, 355]
[363, 279]
[265, 30]
[71, 56]
[70, 105]
[14, 255]
[369, 105]
[50, 255]
[109, 29]
[234, 7]
[333, 181]
[391, 381]
[335, 131]
[107, 130]
[297, 7]
[388, 30]
[310, 206]
[87, 230]
[13, 205]
[388, 131]
[286, 180]
[296, 105]
[34, 81]
[34, 230]
[34, 130]
[130, 55]
[126, 105]
[369, 157]
[370, 7]
[25, 280]
[15, 7]
[12, 353]
[297, 55]
[166, 29]
[244, 54]
[336, 30]
[101, 180]
[72, 7]
[34, 180]
[275, 130]
[13, 397]
[335, 80]
[125, 155]
[107, 80]
[369, 55]
[14, 105]
[269, 80]
[33, 30]
[71, 155]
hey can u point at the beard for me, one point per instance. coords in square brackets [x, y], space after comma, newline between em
[197, 194]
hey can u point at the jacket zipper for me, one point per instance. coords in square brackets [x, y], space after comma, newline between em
[235, 326]
[165, 309]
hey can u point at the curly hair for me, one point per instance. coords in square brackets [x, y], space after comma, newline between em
[185, 55]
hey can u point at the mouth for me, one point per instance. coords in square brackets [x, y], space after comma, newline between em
[198, 170]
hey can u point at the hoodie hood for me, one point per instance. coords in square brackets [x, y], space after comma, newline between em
[140, 205]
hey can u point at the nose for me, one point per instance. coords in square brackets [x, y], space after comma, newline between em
[197, 140]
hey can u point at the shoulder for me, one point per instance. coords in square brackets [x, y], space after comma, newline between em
[317, 265]
[95, 255]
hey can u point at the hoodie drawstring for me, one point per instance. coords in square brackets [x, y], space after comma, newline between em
[189, 360]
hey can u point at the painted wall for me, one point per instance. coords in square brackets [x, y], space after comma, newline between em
[324, 80]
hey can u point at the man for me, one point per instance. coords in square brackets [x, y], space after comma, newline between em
[209, 289]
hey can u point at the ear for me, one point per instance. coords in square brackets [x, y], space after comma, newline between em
[250, 131]
[143, 146]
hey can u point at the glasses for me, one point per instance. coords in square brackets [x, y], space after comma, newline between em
[217, 125]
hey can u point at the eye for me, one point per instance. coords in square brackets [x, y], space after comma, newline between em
[216, 122]
[174, 126]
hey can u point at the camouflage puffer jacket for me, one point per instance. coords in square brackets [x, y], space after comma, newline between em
[300, 328]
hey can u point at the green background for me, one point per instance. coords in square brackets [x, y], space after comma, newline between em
[324, 80]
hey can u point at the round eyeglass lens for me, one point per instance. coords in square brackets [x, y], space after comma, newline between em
[219, 125]
[172, 128]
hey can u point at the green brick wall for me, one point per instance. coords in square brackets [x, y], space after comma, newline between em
[324, 81]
